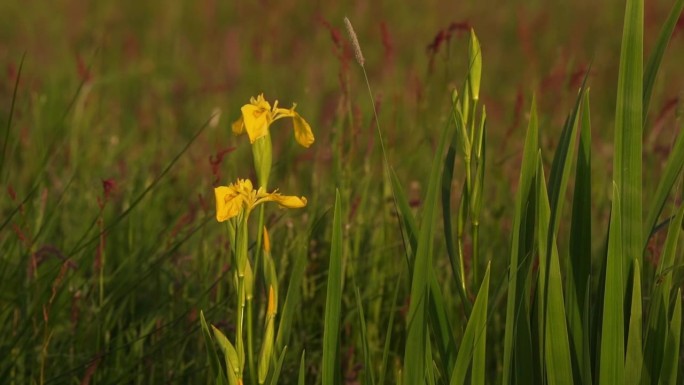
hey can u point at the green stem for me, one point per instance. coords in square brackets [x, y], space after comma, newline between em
[250, 342]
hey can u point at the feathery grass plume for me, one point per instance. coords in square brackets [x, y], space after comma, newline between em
[354, 41]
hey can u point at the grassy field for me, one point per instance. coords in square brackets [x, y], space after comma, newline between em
[491, 195]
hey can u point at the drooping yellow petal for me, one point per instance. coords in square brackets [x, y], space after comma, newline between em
[229, 202]
[291, 202]
[302, 131]
[256, 119]
[238, 126]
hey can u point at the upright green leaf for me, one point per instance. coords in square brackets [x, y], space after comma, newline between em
[556, 343]
[333, 302]
[628, 131]
[216, 369]
[473, 340]
[416, 340]
[668, 373]
[579, 266]
[516, 295]
[612, 331]
[302, 370]
[634, 359]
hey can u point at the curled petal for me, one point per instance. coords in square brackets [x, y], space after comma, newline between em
[291, 202]
[256, 121]
[302, 131]
[238, 126]
[228, 203]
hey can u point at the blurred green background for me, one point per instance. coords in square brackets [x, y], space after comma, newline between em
[114, 90]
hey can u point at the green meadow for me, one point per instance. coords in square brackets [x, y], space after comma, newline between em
[422, 192]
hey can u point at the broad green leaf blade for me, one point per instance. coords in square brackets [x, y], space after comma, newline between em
[333, 302]
[580, 245]
[562, 163]
[475, 333]
[673, 168]
[230, 354]
[440, 324]
[668, 374]
[612, 332]
[416, 340]
[628, 132]
[656, 57]
[635, 358]
[556, 344]
[516, 270]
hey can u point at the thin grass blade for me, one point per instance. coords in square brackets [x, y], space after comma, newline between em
[673, 168]
[668, 373]
[651, 70]
[333, 301]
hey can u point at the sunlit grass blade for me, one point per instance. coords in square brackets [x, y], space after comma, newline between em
[634, 359]
[668, 373]
[612, 351]
[628, 132]
[579, 266]
[654, 60]
[519, 249]
[333, 302]
[475, 333]
[417, 333]
[558, 363]
[673, 167]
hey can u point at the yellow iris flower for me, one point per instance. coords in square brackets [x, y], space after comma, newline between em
[230, 200]
[258, 115]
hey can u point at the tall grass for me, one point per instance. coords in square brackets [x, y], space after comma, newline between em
[405, 267]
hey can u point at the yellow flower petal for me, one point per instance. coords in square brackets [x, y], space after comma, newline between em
[303, 134]
[256, 120]
[228, 202]
[238, 126]
[291, 202]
